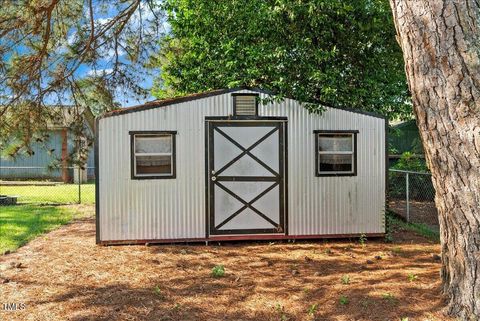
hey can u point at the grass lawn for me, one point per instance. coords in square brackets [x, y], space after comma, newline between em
[55, 194]
[20, 224]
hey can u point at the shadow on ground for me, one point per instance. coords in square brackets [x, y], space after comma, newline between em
[66, 276]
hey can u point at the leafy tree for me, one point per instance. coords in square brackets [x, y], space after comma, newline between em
[441, 47]
[341, 53]
[75, 52]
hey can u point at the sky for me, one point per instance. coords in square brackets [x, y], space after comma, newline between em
[103, 12]
[126, 100]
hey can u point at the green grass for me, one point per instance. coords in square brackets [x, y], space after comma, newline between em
[20, 224]
[56, 194]
[420, 229]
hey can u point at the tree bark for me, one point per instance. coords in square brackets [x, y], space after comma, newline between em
[440, 40]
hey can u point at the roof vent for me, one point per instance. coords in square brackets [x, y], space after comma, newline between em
[245, 105]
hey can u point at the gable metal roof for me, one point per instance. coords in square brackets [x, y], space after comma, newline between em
[182, 99]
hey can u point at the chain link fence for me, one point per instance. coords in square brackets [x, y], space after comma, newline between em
[42, 186]
[412, 196]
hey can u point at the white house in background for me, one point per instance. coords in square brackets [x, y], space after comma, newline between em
[60, 143]
[220, 166]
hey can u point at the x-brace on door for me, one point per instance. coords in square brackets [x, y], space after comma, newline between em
[246, 170]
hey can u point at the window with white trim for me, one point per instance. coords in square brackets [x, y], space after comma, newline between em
[335, 153]
[153, 155]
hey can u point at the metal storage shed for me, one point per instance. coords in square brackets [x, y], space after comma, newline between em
[221, 166]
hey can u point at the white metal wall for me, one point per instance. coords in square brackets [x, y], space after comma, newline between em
[175, 208]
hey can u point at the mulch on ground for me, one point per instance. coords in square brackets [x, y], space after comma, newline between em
[63, 275]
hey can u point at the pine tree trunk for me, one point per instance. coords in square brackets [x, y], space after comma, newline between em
[440, 40]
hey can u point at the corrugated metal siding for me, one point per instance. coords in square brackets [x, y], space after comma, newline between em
[333, 205]
[175, 208]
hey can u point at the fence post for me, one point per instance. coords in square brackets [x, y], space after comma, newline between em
[79, 186]
[408, 196]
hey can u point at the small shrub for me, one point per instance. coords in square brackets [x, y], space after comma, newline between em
[343, 300]
[412, 277]
[409, 162]
[389, 297]
[281, 311]
[362, 240]
[218, 271]
[312, 309]
[345, 279]
[158, 292]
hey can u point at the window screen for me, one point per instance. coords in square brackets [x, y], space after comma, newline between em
[153, 155]
[335, 153]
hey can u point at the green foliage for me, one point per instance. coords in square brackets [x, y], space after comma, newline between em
[421, 229]
[94, 92]
[421, 185]
[328, 251]
[412, 277]
[389, 297]
[158, 292]
[218, 271]
[343, 300]
[388, 230]
[405, 137]
[76, 53]
[281, 312]
[362, 240]
[342, 53]
[409, 162]
[312, 309]
[345, 279]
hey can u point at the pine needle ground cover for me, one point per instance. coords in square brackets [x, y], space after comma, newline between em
[64, 275]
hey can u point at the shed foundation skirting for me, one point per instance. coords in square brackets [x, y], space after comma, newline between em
[243, 238]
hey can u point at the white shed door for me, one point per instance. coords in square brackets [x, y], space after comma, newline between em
[246, 175]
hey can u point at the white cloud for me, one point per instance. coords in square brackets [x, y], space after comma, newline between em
[71, 38]
[99, 72]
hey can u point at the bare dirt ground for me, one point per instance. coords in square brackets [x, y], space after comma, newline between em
[63, 275]
[420, 212]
